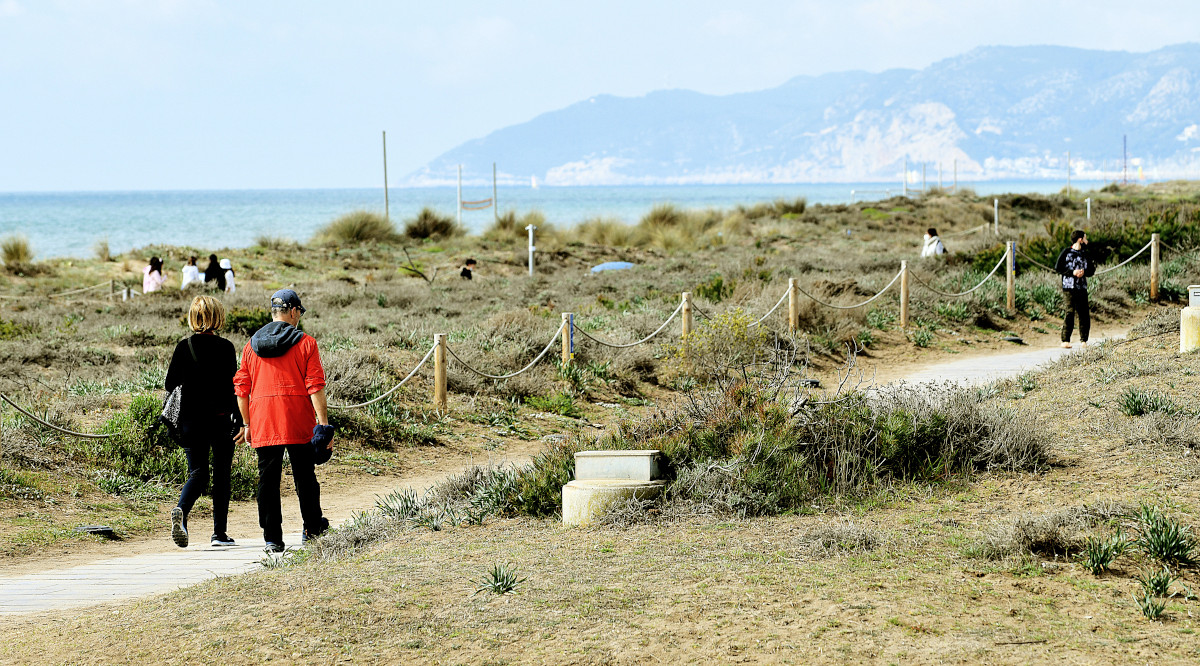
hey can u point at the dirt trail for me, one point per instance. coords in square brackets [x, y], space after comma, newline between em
[342, 495]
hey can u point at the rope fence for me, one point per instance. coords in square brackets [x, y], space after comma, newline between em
[441, 352]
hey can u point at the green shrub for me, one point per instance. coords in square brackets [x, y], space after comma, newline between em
[715, 289]
[11, 330]
[724, 346]
[360, 226]
[247, 320]
[922, 337]
[539, 486]
[1098, 554]
[16, 252]
[562, 404]
[1156, 583]
[1163, 538]
[431, 224]
[1136, 402]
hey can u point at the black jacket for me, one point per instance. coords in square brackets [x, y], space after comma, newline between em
[1070, 261]
[208, 381]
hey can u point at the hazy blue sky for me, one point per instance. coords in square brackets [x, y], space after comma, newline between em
[190, 94]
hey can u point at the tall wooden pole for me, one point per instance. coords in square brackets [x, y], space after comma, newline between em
[568, 337]
[440, 396]
[903, 294]
[1154, 266]
[1010, 261]
[686, 314]
[793, 306]
[386, 207]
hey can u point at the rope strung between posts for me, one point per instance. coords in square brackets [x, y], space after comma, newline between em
[772, 310]
[393, 389]
[700, 312]
[851, 307]
[631, 344]
[1135, 256]
[80, 291]
[51, 425]
[965, 233]
[1035, 262]
[511, 374]
[961, 293]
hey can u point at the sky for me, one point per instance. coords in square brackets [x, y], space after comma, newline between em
[209, 94]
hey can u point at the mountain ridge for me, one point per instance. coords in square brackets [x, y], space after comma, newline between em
[994, 112]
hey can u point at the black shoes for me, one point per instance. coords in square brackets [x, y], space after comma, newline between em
[221, 539]
[312, 534]
[274, 547]
[178, 530]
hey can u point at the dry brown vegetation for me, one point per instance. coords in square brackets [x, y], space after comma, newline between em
[892, 573]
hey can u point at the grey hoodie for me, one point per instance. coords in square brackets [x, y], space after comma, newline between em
[275, 339]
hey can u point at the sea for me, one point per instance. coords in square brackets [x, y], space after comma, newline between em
[70, 224]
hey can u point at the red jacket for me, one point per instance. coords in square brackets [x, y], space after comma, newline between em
[281, 411]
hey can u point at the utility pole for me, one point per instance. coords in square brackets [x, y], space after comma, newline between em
[386, 210]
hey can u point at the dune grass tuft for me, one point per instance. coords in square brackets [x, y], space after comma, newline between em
[17, 252]
[360, 226]
[431, 224]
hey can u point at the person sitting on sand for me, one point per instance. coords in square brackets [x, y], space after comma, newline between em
[468, 269]
[191, 274]
[933, 244]
[214, 275]
[230, 287]
[152, 276]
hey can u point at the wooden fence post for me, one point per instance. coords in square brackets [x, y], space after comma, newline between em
[568, 337]
[686, 313]
[793, 306]
[440, 397]
[903, 294]
[1154, 267]
[1010, 262]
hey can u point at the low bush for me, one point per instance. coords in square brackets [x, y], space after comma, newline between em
[360, 226]
[16, 252]
[1164, 538]
[431, 224]
[719, 349]
[1054, 533]
[140, 448]
[1136, 402]
[247, 320]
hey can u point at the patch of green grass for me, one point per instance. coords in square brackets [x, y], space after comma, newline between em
[562, 404]
[1136, 402]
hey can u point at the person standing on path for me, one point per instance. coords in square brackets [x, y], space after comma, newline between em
[281, 395]
[1075, 267]
[204, 365]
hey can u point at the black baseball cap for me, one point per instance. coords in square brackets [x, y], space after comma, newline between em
[286, 299]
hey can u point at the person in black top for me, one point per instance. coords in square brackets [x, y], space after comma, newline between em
[1075, 267]
[468, 268]
[204, 365]
[213, 273]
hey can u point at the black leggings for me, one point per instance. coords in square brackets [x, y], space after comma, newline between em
[200, 442]
[1076, 302]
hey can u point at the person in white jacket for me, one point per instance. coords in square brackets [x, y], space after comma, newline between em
[228, 266]
[191, 274]
[933, 244]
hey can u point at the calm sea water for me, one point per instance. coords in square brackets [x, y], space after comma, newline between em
[60, 224]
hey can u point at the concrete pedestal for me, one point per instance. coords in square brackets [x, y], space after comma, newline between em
[585, 501]
[1189, 329]
[634, 465]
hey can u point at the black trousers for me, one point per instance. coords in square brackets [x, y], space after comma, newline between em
[201, 440]
[308, 491]
[1077, 303]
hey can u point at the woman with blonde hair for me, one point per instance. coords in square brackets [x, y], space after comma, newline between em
[209, 421]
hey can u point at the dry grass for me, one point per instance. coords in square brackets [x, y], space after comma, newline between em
[355, 228]
[432, 225]
[16, 252]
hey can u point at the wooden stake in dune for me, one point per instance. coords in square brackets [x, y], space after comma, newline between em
[1010, 262]
[568, 337]
[386, 208]
[793, 306]
[903, 295]
[1089, 208]
[996, 216]
[530, 229]
[685, 313]
[440, 396]
[1154, 266]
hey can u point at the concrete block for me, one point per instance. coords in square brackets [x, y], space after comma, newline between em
[586, 500]
[617, 465]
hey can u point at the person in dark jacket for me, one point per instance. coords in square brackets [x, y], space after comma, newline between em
[467, 269]
[204, 365]
[1075, 267]
[214, 275]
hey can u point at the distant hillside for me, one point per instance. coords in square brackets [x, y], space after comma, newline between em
[1001, 112]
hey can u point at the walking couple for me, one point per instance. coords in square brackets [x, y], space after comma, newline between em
[275, 403]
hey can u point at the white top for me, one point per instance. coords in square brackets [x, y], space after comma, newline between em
[191, 275]
[933, 247]
[229, 286]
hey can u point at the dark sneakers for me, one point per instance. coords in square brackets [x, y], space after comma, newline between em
[221, 539]
[312, 534]
[178, 530]
[274, 547]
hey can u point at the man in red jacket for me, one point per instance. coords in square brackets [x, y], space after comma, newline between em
[281, 394]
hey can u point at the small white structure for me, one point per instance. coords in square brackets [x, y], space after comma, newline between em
[1189, 322]
[604, 478]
